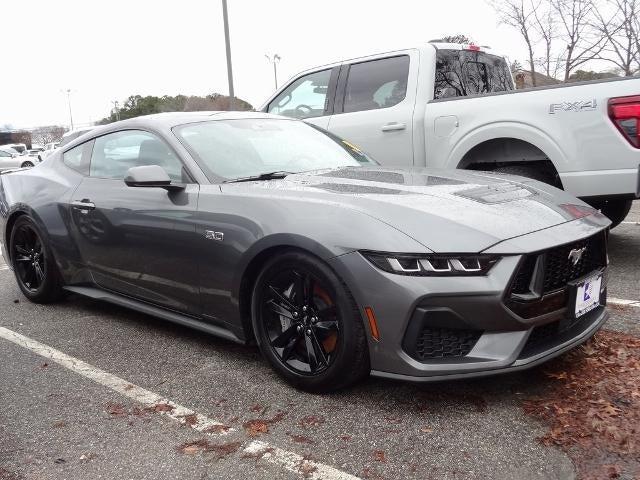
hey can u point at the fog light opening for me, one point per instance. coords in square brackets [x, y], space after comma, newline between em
[373, 325]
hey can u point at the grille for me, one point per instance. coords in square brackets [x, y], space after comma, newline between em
[546, 336]
[558, 268]
[445, 343]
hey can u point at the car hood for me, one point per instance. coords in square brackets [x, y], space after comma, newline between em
[446, 211]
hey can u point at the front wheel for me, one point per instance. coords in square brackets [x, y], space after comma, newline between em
[33, 263]
[27, 164]
[307, 324]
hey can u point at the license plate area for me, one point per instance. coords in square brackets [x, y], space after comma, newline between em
[585, 294]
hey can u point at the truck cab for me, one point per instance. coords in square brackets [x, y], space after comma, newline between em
[449, 105]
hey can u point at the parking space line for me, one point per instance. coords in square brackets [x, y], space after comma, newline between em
[623, 302]
[295, 463]
[290, 461]
[149, 399]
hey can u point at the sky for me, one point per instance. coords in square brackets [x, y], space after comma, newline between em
[108, 50]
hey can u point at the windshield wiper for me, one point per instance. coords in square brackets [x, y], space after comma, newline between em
[263, 176]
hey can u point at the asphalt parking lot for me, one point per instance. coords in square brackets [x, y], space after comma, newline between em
[124, 395]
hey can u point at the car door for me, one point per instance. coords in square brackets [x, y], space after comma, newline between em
[134, 240]
[309, 97]
[374, 106]
[8, 161]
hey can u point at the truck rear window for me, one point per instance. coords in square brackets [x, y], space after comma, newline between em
[460, 73]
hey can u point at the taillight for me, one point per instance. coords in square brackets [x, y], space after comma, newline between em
[625, 114]
[473, 48]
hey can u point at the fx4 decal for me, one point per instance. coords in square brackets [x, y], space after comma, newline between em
[580, 106]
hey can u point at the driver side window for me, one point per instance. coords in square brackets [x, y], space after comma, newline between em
[115, 153]
[304, 98]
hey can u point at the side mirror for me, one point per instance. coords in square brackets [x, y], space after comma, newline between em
[150, 176]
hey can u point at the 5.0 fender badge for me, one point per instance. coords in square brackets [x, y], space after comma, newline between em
[211, 235]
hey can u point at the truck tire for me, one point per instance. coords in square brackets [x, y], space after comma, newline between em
[537, 173]
[615, 210]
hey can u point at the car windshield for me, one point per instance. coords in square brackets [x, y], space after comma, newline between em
[241, 148]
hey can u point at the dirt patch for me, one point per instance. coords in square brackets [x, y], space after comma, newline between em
[311, 421]
[204, 445]
[593, 406]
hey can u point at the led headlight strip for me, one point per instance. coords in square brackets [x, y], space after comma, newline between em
[432, 265]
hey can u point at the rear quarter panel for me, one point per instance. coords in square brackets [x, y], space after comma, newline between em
[575, 140]
[43, 193]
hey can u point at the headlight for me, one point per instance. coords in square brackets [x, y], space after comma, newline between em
[432, 264]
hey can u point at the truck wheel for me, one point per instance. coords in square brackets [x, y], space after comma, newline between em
[615, 210]
[540, 174]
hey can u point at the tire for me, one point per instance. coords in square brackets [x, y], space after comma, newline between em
[26, 164]
[615, 210]
[540, 174]
[285, 285]
[28, 248]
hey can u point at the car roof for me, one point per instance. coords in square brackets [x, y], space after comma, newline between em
[168, 120]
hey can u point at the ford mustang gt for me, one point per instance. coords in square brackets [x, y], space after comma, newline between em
[268, 230]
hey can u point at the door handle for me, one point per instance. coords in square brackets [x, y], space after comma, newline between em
[83, 205]
[391, 126]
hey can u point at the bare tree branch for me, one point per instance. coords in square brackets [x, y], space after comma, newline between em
[519, 15]
[616, 21]
[582, 43]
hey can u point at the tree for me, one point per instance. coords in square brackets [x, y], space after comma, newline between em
[136, 105]
[48, 134]
[585, 75]
[519, 14]
[582, 43]
[620, 29]
[459, 38]
[546, 28]
[515, 67]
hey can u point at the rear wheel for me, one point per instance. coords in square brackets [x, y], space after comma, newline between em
[537, 173]
[307, 324]
[615, 210]
[33, 263]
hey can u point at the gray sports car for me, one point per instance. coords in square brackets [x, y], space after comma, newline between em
[263, 229]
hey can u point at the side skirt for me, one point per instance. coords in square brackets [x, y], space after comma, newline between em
[98, 294]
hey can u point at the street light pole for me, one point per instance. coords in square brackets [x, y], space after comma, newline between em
[117, 109]
[69, 103]
[274, 59]
[225, 17]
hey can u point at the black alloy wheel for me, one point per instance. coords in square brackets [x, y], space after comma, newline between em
[301, 321]
[29, 258]
[33, 262]
[307, 324]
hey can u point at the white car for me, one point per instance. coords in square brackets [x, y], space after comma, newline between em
[66, 138]
[454, 106]
[10, 158]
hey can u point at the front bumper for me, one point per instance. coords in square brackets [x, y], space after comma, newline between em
[404, 305]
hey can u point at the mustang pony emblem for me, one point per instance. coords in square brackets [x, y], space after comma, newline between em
[575, 255]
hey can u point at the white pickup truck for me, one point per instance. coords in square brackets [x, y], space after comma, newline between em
[454, 106]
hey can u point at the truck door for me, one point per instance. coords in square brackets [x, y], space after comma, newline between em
[308, 97]
[374, 106]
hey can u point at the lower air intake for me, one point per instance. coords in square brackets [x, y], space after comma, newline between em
[445, 343]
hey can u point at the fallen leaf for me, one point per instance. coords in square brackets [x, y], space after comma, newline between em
[379, 456]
